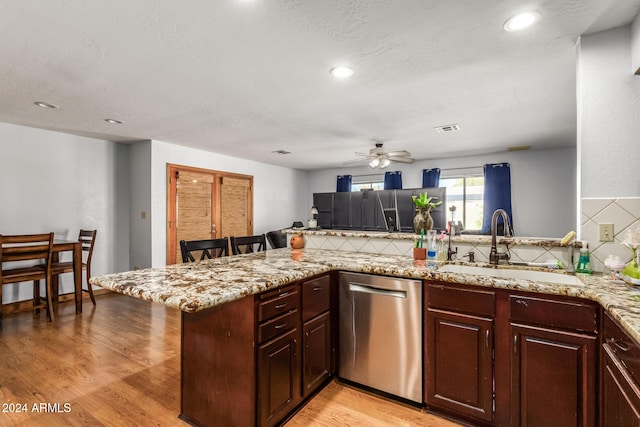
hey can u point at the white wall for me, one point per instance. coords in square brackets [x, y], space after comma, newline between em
[51, 181]
[608, 116]
[280, 194]
[635, 44]
[543, 185]
[140, 243]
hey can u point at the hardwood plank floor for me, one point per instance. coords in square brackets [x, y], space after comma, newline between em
[118, 364]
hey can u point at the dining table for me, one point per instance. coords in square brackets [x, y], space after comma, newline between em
[75, 247]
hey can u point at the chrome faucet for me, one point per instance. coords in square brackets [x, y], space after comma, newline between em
[494, 255]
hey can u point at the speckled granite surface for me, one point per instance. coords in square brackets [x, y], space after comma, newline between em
[464, 238]
[197, 286]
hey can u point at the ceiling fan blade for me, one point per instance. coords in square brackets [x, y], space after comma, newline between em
[402, 159]
[354, 161]
[403, 153]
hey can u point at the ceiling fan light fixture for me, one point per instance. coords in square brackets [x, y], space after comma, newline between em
[374, 163]
[384, 163]
[521, 21]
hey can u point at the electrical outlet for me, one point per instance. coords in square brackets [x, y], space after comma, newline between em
[605, 232]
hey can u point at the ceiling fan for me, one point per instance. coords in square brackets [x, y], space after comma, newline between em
[379, 158]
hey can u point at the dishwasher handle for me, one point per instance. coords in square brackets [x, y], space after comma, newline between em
[367, 289]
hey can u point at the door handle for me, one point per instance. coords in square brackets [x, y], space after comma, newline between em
[366, 289]
[213, 230]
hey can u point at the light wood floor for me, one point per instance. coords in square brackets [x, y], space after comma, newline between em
[118, 364]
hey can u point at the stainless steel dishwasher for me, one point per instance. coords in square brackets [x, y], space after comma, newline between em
[381, 333]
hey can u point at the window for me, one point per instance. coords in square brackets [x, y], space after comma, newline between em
[466, 193]
[367, 182]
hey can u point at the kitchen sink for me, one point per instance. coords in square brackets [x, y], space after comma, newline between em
[510, 273]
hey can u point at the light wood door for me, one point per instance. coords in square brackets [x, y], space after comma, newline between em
[206, 204]
[235, 206]
[195, 209]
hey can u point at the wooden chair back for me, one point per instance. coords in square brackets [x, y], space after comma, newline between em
[24, 247]
[248, 244]
[277, 239]
[87, 239]
[212, 248]
[27, 247]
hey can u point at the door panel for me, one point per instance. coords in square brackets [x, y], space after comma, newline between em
[236, 208]
[553, 377]
[206, 204]
[194, 207]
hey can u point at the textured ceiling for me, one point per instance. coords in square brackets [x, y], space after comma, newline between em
[245, 79]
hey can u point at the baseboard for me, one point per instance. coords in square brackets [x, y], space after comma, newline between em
[27, 305]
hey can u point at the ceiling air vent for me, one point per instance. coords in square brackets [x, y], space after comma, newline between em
[447, 128]
[281, 152]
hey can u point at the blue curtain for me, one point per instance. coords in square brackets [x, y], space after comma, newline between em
[393, 180]
[430, 178]
[497, 193]
[343, 184]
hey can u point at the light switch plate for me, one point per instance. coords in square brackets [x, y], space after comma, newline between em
[605, 232]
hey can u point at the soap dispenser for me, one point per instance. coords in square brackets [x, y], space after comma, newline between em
[584, 262]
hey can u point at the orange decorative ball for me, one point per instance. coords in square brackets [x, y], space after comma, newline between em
[297, 241]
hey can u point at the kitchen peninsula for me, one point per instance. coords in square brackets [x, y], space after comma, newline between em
[224, 301]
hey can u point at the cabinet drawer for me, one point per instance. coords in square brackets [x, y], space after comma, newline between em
[571, 315]
[277, 325]
[623, 347]
[316, 297]
[277, 303]
[461, 300]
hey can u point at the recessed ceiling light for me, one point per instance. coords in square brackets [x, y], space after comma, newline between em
[46, 105]
[521, 21]
[341, 72]
[114, 121]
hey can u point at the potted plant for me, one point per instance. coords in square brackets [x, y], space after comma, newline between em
[424, 204]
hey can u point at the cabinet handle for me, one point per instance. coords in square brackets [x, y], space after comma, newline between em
[515, 344]
[280, 326]
[279, 306]
[486, 339]
[295, 349]
[317, 289]
[284, 294]
[621, 345]
[306, 341]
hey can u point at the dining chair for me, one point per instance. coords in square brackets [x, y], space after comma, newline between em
[248, 244]
[87, 239]
[277, 239]
[27, 247]
[212, 248]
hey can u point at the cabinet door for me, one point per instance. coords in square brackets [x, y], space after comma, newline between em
[316, 359]
[459, 368]
[620, 395]
[552, 378]
[278, 378]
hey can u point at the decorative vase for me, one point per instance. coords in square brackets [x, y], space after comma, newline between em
[422, 220]
[297, 241]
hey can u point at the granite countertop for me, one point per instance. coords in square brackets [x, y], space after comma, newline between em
[197, 286]
[461, 238]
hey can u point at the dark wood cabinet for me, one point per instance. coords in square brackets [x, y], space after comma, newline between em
[553, 370]
[620, 392]
[278, 378]
[459, 351]
[318, 339]
[316, 360]
[620, 403]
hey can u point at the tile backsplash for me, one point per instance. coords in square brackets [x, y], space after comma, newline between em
[623, 213]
